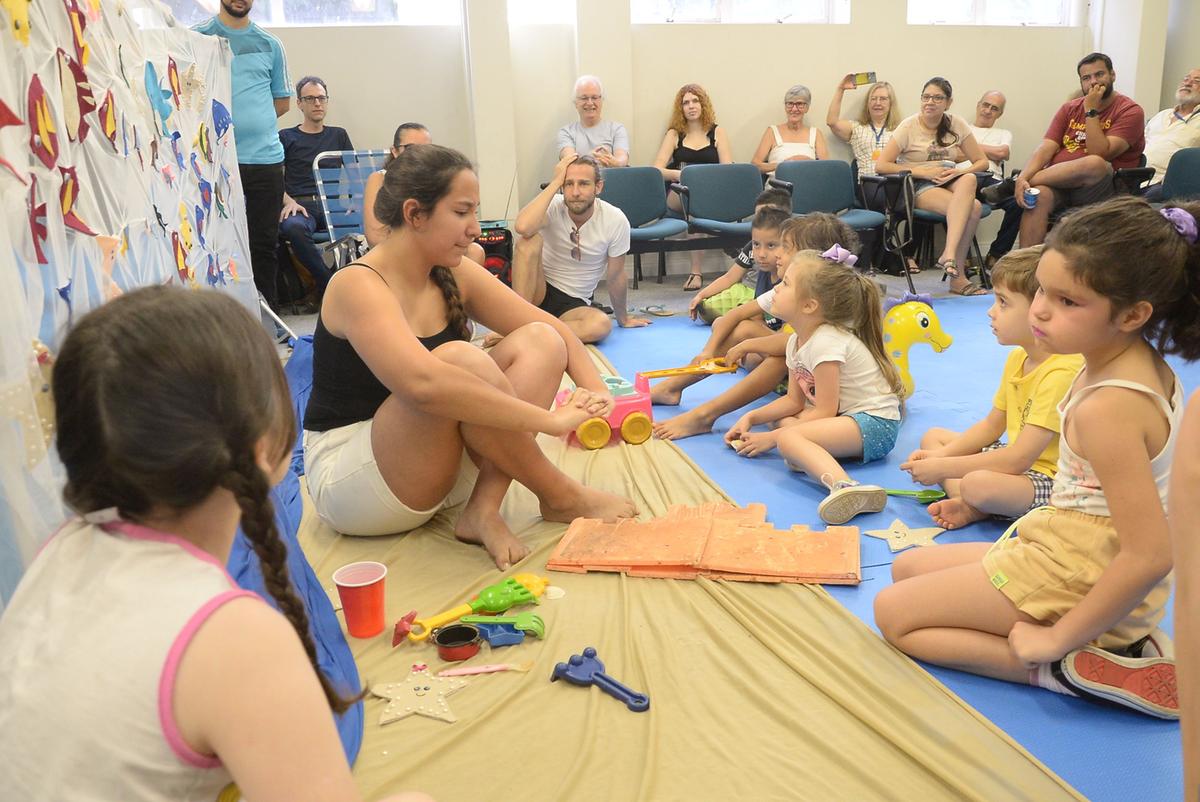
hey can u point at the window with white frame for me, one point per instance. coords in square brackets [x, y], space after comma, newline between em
[1046, 13]
[280, 13]
[811, 12]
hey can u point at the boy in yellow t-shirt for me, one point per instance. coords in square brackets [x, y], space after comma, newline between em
[981, 475]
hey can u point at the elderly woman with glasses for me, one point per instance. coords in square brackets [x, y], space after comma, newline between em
[930, 145]
[792, 140]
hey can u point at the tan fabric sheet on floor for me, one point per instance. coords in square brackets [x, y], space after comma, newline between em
[757, 692]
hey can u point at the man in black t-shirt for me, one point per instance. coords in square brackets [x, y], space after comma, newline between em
[302, 214]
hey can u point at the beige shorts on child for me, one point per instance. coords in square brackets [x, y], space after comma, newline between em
[1054, 558]
[351, 495]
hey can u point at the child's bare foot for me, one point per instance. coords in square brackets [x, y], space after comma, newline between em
[492, 338]
[488, 529]
[588, 502]
[953, 513]
[665, 395]
[685, 425]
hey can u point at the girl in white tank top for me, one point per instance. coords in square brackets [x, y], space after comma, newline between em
[1070, 597]
[131, 665]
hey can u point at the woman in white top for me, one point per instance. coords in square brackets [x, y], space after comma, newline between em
[792, 141]
[929, 144]
[868, 134]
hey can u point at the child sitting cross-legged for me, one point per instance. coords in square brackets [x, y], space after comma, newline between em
[981, 475]
[843, 398]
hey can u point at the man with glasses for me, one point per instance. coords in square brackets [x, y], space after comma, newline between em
[261, 95]
[302, 214]
[590, 135]
[1173, 129]
[567, 239]
[1088, 138]
[996, 144]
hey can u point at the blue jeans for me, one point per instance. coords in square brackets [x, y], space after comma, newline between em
[297, 231]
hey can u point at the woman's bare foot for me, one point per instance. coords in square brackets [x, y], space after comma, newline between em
[588, 502]
[663, 394]
[685, 425]
[487, 528]
[492, 338]
[953, 513]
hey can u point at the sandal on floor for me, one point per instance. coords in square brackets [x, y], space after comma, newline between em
[949, 267]
[969, 289]
[913, 267]
[658, 310]
[693, 282]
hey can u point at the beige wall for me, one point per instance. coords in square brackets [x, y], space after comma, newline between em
[1183, 46]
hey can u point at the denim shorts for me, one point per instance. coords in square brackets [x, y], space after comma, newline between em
[878, 435]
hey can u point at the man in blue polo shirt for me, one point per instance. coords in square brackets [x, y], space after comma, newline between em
[302, 213]
[261, 94]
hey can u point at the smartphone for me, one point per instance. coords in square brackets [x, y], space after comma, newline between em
[864, 78]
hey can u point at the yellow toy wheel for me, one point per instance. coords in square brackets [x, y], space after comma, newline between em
[636, 428]
[593, 433]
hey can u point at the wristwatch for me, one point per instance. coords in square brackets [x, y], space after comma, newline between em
[1092, 113]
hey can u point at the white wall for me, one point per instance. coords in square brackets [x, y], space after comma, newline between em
[381, 76]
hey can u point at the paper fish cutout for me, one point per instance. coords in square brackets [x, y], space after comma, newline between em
[200, 227]
[221, 119]
[18, 12]
[67, 195]
[77, 98]
[168, 174]
[206, 194]
[78, 23]
[201, 143]
[7, 118]
[221, 210]
[196, 167]
[137, 147]
[37, 222]
[233, 269]
[121, 65]
[158, 96]
[108, 251]
[173, 80]
[159, 220]
[215, 276]
[178, 153]
[181, 265]
[153, 153]
[185, 227]
[108, 119]
[43, 136]
[64, 292]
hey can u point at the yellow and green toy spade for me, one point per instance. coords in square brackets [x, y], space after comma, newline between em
[497, 598]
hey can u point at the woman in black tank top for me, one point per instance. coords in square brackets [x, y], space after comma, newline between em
[399, 391]
[693, 137]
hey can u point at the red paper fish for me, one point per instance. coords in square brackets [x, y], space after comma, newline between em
[78, 23]
[43, 136]
[7, 118]
[37, 222]
[77, 98]
[108, 118]
[67, 195]
[173, 80]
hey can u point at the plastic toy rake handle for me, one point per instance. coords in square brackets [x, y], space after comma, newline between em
[637, 702]
[423, 626]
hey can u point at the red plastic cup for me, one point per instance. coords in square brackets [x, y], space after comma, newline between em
[360, 587]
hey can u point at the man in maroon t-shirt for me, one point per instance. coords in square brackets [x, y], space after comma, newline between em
[1088, 138]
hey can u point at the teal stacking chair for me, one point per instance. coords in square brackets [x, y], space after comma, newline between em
[638, 193]
[718, 199]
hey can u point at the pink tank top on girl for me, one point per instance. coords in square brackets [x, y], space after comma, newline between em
[89, 649]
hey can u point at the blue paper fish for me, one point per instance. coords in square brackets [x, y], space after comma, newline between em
[215, 276]
[158, 96]
[206, 193]
[196, 168]
[221, 118]
[200, 227]
[178, 154]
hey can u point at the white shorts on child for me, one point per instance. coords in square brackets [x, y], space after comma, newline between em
[351, 495]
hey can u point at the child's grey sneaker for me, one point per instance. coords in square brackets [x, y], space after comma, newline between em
[847, 498]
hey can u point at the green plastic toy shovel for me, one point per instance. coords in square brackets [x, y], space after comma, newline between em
[923, 496]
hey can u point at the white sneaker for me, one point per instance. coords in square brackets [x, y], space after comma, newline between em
[847, 498]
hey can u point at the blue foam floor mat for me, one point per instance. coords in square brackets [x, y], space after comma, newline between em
[1107, 754]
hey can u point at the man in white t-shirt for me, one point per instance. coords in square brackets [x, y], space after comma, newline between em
[590, 135]
[569, 240]
[996, 142]
[1173, 129]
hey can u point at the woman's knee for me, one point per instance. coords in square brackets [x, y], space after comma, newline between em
[540, 341]
[967, 183]
[470, 358]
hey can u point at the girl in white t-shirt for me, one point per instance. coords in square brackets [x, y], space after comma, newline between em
[133, 667]
[844, 393]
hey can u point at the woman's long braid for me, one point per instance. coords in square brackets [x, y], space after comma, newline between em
[249, 486]
[456, 313]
